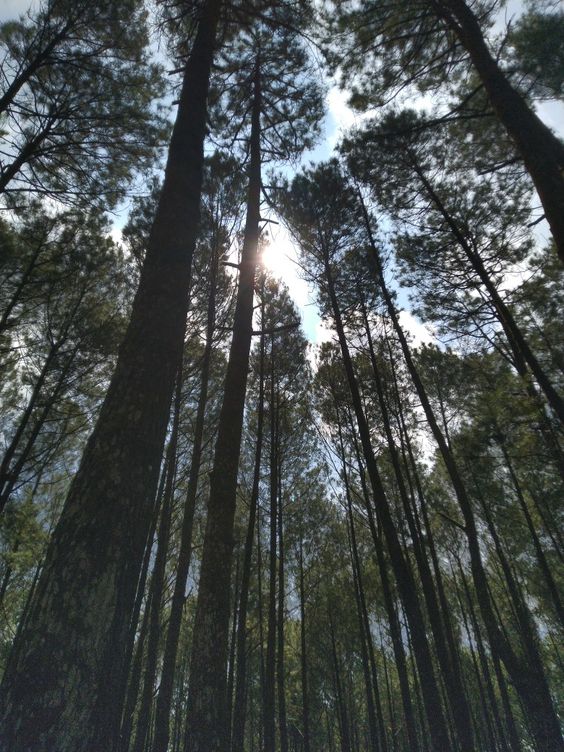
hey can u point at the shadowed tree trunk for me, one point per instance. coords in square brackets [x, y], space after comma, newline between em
[342, 714]
[541, 150]
[207, 710]
[448, 664]
[269, 701]
[395, 632]
[537, 702]
[280, 670]
[158, 585]
[63, 682]
[239, 715]
[164, 697]
[403, 574]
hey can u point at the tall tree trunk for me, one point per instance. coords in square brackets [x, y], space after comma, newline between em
[344, 727]
[373, 736]
[207, 711]
[262, 671]
[395, 632]
[488, 701]
[541, 150]
[513, 737]
[233, 648]
[403, 574]
[62, 685]
[539, 552]
[448, 664]
[132, 681]
[239, 716]
[158, 584]
[280, 665]
[269, 700]
[164, 697]
[303, 653]
[537, 702]
[375, 718]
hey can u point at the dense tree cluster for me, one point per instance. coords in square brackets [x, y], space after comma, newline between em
[215, 537]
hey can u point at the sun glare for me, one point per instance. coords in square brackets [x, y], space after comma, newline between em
[276, 258]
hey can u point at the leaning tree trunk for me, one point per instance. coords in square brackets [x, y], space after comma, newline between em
[524, 356]
[456, 695]
[62, 685]
[402, 571]
[541, 150]
[207, 709]
[158, 584]
[537, 701]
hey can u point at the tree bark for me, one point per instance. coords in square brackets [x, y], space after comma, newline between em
[269, 702]
[62, 685]
[280, 670]
[164, 698]
[404, 576]
[537, 702]
[239, 716]
[303, 654]
[395, 631]
[449, 667]
[207, 711]
[158, 584]
[541, 150]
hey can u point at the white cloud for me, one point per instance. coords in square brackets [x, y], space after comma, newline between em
[421, 333]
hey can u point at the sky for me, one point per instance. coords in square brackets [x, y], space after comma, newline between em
[281, 256]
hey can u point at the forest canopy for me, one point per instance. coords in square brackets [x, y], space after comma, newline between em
[236, 516]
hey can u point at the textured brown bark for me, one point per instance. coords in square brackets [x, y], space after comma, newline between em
[541, 150]
[62, 686]
[207, 711]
